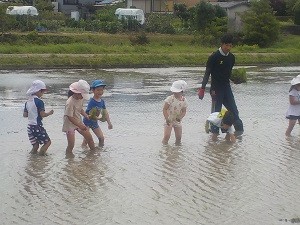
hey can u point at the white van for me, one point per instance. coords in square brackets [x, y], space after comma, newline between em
[137, 14]
[22, 10]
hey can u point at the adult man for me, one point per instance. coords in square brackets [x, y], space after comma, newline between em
[219, 66]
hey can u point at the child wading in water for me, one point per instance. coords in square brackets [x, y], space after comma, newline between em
[96, 110]
[174, 110]
[72, 116]
[35, 111]
[223, 120]
[293, 112]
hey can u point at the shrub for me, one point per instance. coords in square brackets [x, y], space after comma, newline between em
[239, 75]
[260, 24]
[160, 23]
[139, 39]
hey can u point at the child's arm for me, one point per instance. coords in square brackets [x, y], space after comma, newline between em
[44, 114]
[77, 123]
[110, 126]
[83, 113]
[182, 114]
[165, 112]
[230, 137]
[294, 100]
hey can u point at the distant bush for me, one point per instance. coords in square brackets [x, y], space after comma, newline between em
[9, 38]
[130, 24]
[159, 23]
[139, 39]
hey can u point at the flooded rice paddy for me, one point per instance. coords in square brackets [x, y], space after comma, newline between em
[134, 179]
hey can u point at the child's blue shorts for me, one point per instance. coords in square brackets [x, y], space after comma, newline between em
[37, 134]
[93, 124]
[290, 117]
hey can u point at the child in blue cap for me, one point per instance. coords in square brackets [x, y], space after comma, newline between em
[96, 110]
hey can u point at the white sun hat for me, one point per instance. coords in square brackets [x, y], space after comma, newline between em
[178, 86]
[36, 86]
[296, 80]
[81, 87]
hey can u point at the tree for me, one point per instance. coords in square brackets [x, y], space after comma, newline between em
[279, 6]
[260, 24]
[204, 14]
[297, 13]
[290, 6]
[43, 5]
[6, 21]
[181, 11]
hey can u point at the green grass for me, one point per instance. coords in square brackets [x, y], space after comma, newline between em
[106, 50]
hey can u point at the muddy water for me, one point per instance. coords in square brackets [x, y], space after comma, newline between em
[134, 179]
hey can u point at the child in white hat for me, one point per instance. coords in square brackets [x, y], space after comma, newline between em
[174, 110]
[35, 111]
[293, 112]
[78, 91]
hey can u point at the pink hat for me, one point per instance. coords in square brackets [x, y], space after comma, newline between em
[36, 86]
[81, 87]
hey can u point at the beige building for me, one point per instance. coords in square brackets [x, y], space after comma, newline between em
[149, 6]
[233, 8]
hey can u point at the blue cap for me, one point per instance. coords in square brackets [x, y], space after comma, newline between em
[97, 83]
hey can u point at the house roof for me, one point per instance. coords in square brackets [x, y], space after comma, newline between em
[228, 5]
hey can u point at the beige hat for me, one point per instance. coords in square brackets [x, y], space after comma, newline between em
[81, 87]
[178, 86]
[296, 80]
[36, 86]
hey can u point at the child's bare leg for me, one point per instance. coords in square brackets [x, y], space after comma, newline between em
[167, 134]
[290, 127]
[88, 137]
[84, 142]
[214, 136]
[178, 134]
[44, 148]
[71, 142]
[35, 148]
[98, 132]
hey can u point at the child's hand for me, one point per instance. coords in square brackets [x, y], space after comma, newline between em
[110, 126]
[51, 112]
[168, 122]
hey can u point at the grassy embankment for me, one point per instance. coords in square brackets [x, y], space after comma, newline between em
[103, 50]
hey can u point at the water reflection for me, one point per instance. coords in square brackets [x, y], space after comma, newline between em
[87, 173]
[37, 172]
[136, 180]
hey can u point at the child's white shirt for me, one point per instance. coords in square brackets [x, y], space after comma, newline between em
[175, 106]
[294, 110]
[217, 121]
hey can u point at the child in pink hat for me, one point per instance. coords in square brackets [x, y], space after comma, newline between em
[72, 116]
[34, 110]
